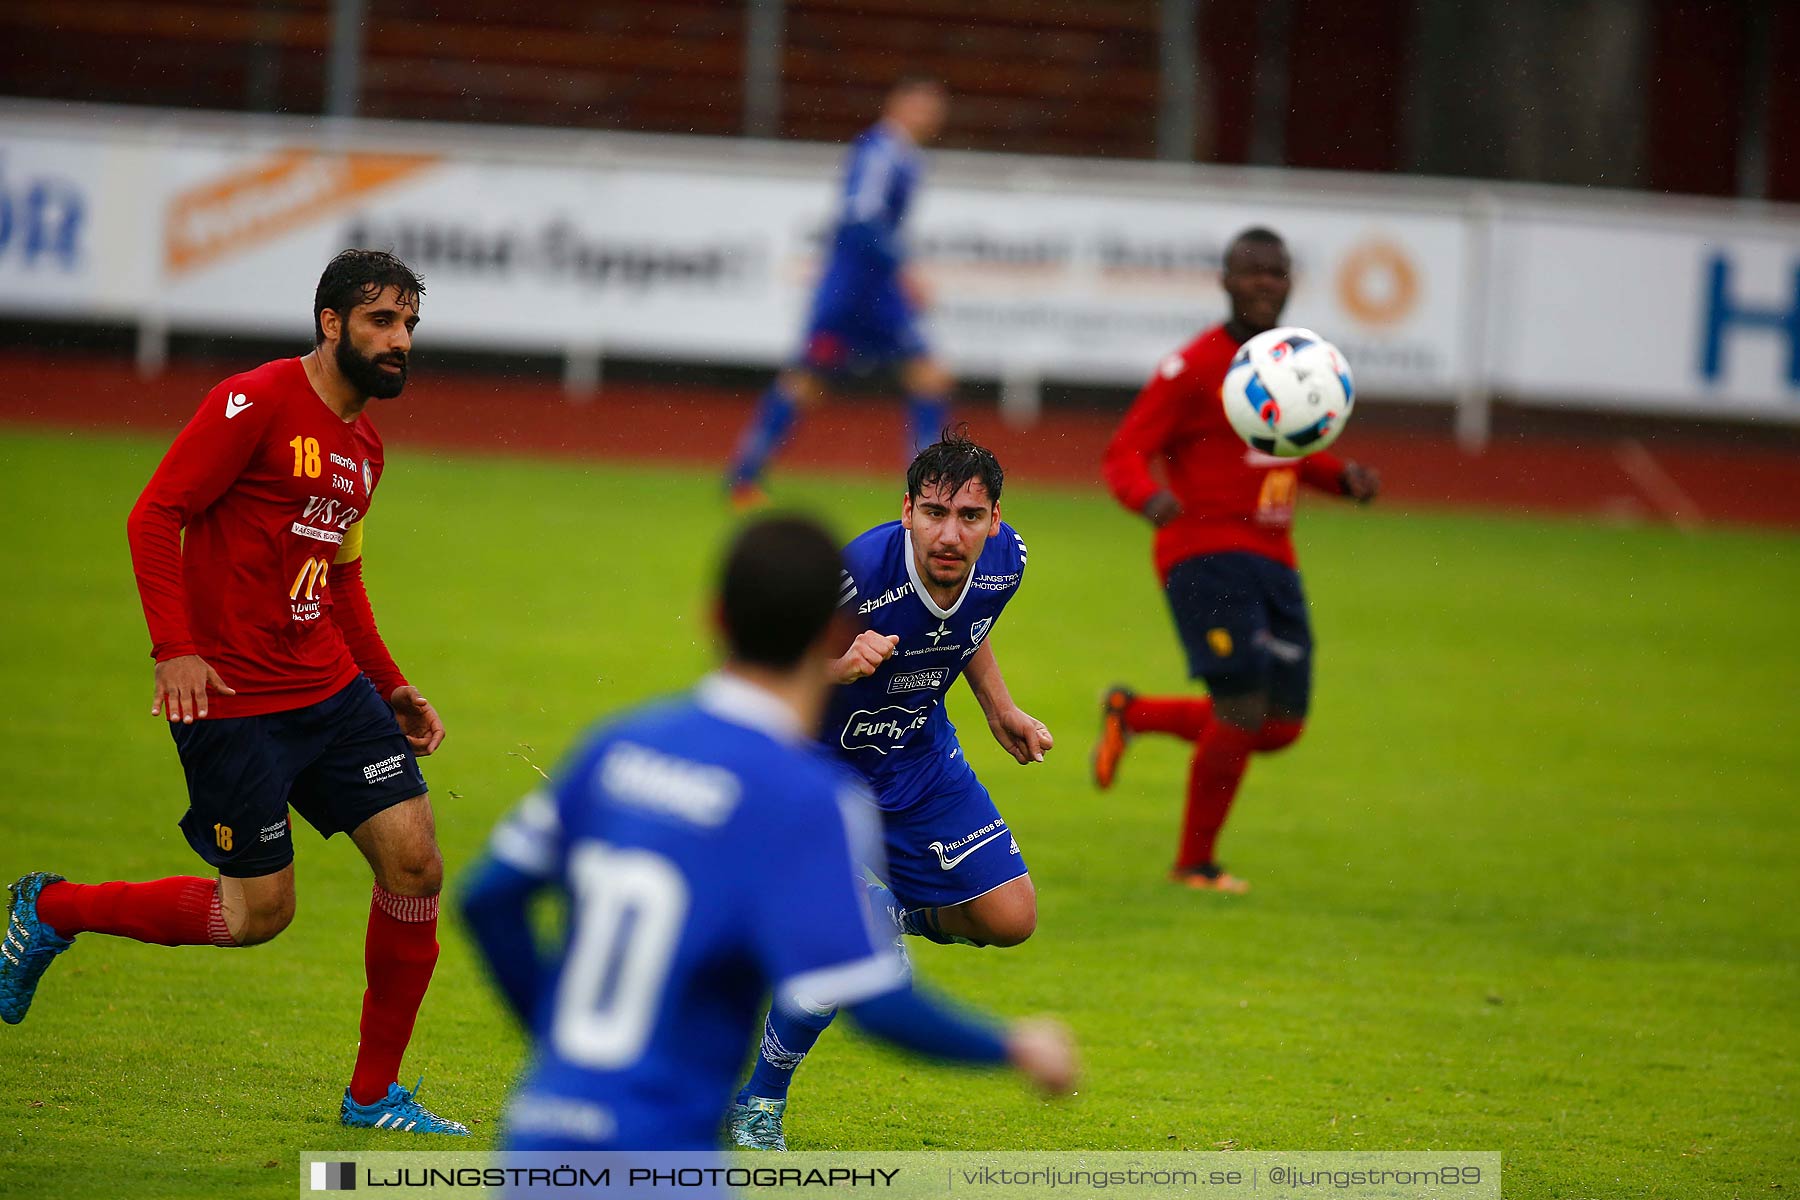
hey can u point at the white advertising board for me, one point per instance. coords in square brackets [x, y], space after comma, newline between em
[706, 250]
[51, 257]
[1649, 313]
[719, 264]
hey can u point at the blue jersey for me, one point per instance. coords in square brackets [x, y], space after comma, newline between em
[893, 722]
[880, 177]
[710, 855]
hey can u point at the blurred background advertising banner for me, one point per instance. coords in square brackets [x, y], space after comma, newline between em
[53, 249]
[1086, 282]
[1691, 312]
[705, 250]
[701, 249]
[650, 254]
[522, 254]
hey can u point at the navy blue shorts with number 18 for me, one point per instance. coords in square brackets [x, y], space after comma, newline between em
[337, 763]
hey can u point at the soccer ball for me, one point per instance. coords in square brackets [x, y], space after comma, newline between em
[1288, 392]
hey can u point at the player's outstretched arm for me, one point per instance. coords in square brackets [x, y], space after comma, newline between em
[1329, 473]
[1147, 429]
[1019, 733]
[1362, 484]
[1041, 1050]
[495, 903]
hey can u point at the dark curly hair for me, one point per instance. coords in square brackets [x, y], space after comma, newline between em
[359, 277]
[952, 461]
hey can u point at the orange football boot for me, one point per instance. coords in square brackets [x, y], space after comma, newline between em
[748, 497]
[1115, 735]
[1210, 877]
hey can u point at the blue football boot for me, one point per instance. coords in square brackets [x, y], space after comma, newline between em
[28, 947]
[756, 1124]
[399, 1110]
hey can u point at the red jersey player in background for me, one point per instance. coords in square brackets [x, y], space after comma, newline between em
[276, 684]
[1226, 560]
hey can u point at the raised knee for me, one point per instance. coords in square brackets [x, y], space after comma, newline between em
[1011, 931]
[1248, 712]
[804, 387]
[415, 875]
[1010, 923]
[1278, 734]
[262, 922]
[933, 380]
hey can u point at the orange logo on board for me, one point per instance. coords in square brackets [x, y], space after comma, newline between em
[255, 204]
[1220, 642]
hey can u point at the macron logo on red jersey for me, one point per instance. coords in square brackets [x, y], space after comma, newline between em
[235, 404]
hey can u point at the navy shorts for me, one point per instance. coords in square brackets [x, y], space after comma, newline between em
[337, 762]
[854, 334]
[1242, 620]
[945, 840]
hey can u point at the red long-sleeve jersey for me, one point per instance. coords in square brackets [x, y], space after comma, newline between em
[270, 486]
[1232, 498]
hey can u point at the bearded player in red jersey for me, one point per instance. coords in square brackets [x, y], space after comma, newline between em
[276, 684]
[1226, 560]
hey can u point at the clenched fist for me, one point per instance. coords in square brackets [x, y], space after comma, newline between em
[865, 656]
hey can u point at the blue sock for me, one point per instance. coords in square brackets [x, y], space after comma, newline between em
[767, 430]
[926, 417]
[926, 923]
[918, 922]
[886, 908]
[786, 1039]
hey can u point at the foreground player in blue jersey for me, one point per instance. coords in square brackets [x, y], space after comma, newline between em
[665, 829]
[927, 589]
[867, 306]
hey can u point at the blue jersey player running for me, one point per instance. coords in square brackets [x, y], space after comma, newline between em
[866, 308]
[928, 589]
[710, 854]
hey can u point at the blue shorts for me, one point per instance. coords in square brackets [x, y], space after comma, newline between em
[851, 333]
[946, 842]
[1242, 619]
[337, 762]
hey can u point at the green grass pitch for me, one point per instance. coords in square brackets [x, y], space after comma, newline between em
[1529, 883]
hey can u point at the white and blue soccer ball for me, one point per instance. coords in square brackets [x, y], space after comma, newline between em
[1288, 392]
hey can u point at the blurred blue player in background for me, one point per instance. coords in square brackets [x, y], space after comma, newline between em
[711, 854]
[867, 307]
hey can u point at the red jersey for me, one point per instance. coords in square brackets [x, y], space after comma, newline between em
[1232, 497]
[270, 486]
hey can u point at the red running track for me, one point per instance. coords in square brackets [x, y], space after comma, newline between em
[1663, 478]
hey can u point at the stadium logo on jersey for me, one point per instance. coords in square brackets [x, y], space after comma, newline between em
[886, 598]
[882, 729]
[918, 681]
[645, 778]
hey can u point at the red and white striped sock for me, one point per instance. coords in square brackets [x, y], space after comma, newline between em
[398, 957]
[183, 910]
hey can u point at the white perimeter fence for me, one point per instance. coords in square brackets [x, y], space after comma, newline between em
[700, 249]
